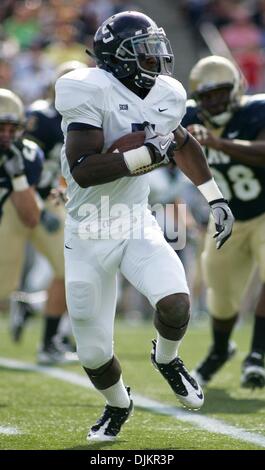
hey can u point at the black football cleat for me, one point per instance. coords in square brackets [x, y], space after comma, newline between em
[109, 424]
[212, 364]
[185, 387]
[253, 371]
[20, 313]
[54, 353]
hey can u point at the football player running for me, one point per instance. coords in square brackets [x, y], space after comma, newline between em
[107, 205]
[231, 126]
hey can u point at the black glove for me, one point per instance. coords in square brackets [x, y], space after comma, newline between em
[49, 221]
[161, 147]
[223, 219]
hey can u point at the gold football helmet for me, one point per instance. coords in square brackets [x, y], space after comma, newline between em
[68, 66]
[11, 107]
[215, 73]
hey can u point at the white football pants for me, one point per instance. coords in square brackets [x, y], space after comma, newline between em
[91, 266]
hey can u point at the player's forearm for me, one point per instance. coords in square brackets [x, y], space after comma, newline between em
[26, 206]
[192, 161]
[244, 151]
[100, 169]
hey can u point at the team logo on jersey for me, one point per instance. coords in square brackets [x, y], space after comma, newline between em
[123, 107]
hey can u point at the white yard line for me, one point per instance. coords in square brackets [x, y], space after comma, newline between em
[211, 425]
[7, 430]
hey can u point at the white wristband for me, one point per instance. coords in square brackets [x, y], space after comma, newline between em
[20, 183]
[39, 201]
[137, 158]
[210, 190]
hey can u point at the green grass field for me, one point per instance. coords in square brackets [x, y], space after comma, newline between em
[53, 414]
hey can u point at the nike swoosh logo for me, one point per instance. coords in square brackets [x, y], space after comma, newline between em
[189, 387]
[162, 110]
[68, 247]
[163, 146]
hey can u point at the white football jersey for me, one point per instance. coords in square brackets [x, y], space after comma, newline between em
[94, 96]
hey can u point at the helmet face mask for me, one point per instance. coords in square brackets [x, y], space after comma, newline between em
[215, 104]
[147, 46]
[9, 132]
[130, 45]
[216, 86]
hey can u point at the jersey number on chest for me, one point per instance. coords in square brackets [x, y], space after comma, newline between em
[239, 182]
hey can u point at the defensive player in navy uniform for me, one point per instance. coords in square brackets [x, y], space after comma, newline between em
[108, 224]
[231, 126]
[20, 164]
[43, 125]
[14, 233]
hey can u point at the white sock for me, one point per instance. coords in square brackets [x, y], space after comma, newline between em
[117, 395]
[166, 350]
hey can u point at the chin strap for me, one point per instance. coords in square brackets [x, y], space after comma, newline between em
[143, 80]
[91, 54]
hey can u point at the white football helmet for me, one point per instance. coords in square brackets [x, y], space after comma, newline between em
[213, 73]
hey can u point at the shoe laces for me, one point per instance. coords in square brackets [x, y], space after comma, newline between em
[117, 417]
[172, 370]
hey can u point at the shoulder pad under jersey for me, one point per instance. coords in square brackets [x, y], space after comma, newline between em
[81, 86]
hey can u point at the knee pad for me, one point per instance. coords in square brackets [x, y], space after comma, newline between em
[174, 310]
[105, 376]
[172, 316]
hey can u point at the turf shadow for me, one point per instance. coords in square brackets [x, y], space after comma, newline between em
[218, 400]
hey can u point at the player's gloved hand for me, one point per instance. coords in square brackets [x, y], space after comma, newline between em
[50, 221]
[223, 219]
[58, 196]
[161, 147]
[14, 162]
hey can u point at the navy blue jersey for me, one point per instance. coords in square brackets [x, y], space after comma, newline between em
[33, 160]
[242, 185]
[44, 127]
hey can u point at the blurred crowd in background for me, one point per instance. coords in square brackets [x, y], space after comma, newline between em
[241, 24]
[38, 35]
